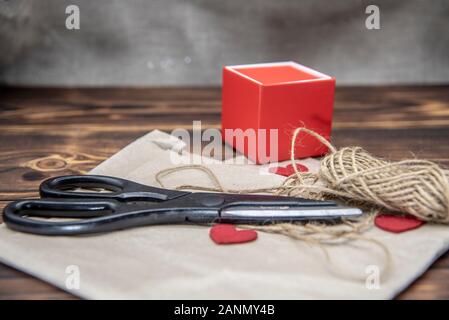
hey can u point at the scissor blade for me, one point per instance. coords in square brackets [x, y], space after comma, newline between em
[288, 214]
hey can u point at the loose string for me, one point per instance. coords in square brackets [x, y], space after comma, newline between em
[312, 233]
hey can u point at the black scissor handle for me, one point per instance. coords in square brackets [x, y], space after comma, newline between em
[94, 216]
[119, 189]
[18, 215]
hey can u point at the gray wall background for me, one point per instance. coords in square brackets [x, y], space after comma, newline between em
[176, 42]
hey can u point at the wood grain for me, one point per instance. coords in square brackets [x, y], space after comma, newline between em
[51, 131]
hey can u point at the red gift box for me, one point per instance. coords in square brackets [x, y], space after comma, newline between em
[281, 96]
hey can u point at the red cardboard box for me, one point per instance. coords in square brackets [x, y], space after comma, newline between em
[278, 96]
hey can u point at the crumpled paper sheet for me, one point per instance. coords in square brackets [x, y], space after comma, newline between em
[181, 262]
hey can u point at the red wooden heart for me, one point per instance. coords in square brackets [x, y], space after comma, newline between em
[289, 170]
[228, 234]
[396, 223]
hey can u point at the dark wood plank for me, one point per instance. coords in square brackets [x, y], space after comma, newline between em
[432, 285]
[52, 131]
[18, 285]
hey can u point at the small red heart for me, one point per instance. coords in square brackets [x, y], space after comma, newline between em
[288, 170]
[228, 234]
[396, 223]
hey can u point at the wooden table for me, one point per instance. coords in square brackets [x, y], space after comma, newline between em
[47, 132]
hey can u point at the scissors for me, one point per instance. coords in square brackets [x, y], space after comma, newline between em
[128, 204]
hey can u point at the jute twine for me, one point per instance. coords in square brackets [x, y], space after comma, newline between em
[417, 187]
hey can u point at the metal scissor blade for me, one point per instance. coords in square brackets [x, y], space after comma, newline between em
[288, 213]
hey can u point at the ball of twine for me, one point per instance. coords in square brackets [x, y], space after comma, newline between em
[417, 187]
